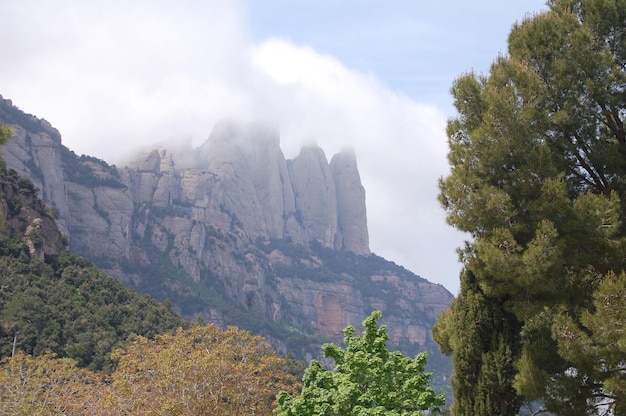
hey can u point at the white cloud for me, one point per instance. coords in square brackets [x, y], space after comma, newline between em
[113, 76]
[400, 144]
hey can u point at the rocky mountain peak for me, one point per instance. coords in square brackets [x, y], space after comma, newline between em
[232, 232]
[315, 196]
[351, 212]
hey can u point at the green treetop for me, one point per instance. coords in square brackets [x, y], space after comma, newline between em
[368, 380]
[538, 179]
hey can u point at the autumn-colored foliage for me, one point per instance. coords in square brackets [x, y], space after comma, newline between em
[199, 371]
[46, 385]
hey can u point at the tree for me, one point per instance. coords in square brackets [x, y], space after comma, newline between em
[368, 380]
[598, 344]
[46, 385]
[199, 371]
[538, 180]
[482, 335]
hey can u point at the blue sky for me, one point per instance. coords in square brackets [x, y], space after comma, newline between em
[114, 76]
[415, 47]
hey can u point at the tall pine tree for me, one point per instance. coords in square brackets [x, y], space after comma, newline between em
[538, 176]
[482, 336]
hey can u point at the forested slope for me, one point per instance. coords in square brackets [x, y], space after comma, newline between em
[53, 300]
[67, 306]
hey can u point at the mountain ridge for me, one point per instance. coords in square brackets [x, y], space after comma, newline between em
[52, 300]
[232, 233]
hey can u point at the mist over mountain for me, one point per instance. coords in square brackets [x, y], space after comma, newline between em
[231, 232]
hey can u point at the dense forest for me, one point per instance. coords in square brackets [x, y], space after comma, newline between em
[69, 307]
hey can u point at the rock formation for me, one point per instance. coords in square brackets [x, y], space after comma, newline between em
[315, 196]
[23, 214]
[231, 232]
[351, 218]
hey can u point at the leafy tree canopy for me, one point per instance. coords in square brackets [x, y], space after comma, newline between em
[201, 371]
[538, 179]
[368, 380]
[198, 371]
[46, 385]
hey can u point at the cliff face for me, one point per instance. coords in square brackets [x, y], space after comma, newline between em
[24, 216]
[232, 232]
[351, 216]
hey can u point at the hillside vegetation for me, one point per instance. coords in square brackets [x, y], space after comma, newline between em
[52, 300]
[75, 341]
[67, 306]
[198, 371]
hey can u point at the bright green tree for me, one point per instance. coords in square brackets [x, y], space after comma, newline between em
[538, 177]
[368, 380]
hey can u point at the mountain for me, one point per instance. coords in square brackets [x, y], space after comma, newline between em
[53, 300]
[233, 233]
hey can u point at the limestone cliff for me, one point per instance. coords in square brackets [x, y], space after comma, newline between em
[232, 232]
[24, 216]
[315, 196]
[351, 217]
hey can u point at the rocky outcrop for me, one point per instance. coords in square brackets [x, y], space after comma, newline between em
[23, 214]
[35, 151]
[240, 174]
[315, 196]
[351, 216]
[231, 232]
[254, 184]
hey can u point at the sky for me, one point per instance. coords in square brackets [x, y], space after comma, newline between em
[114, 76]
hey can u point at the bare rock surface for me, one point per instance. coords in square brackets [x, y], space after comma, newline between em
[230, 232]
